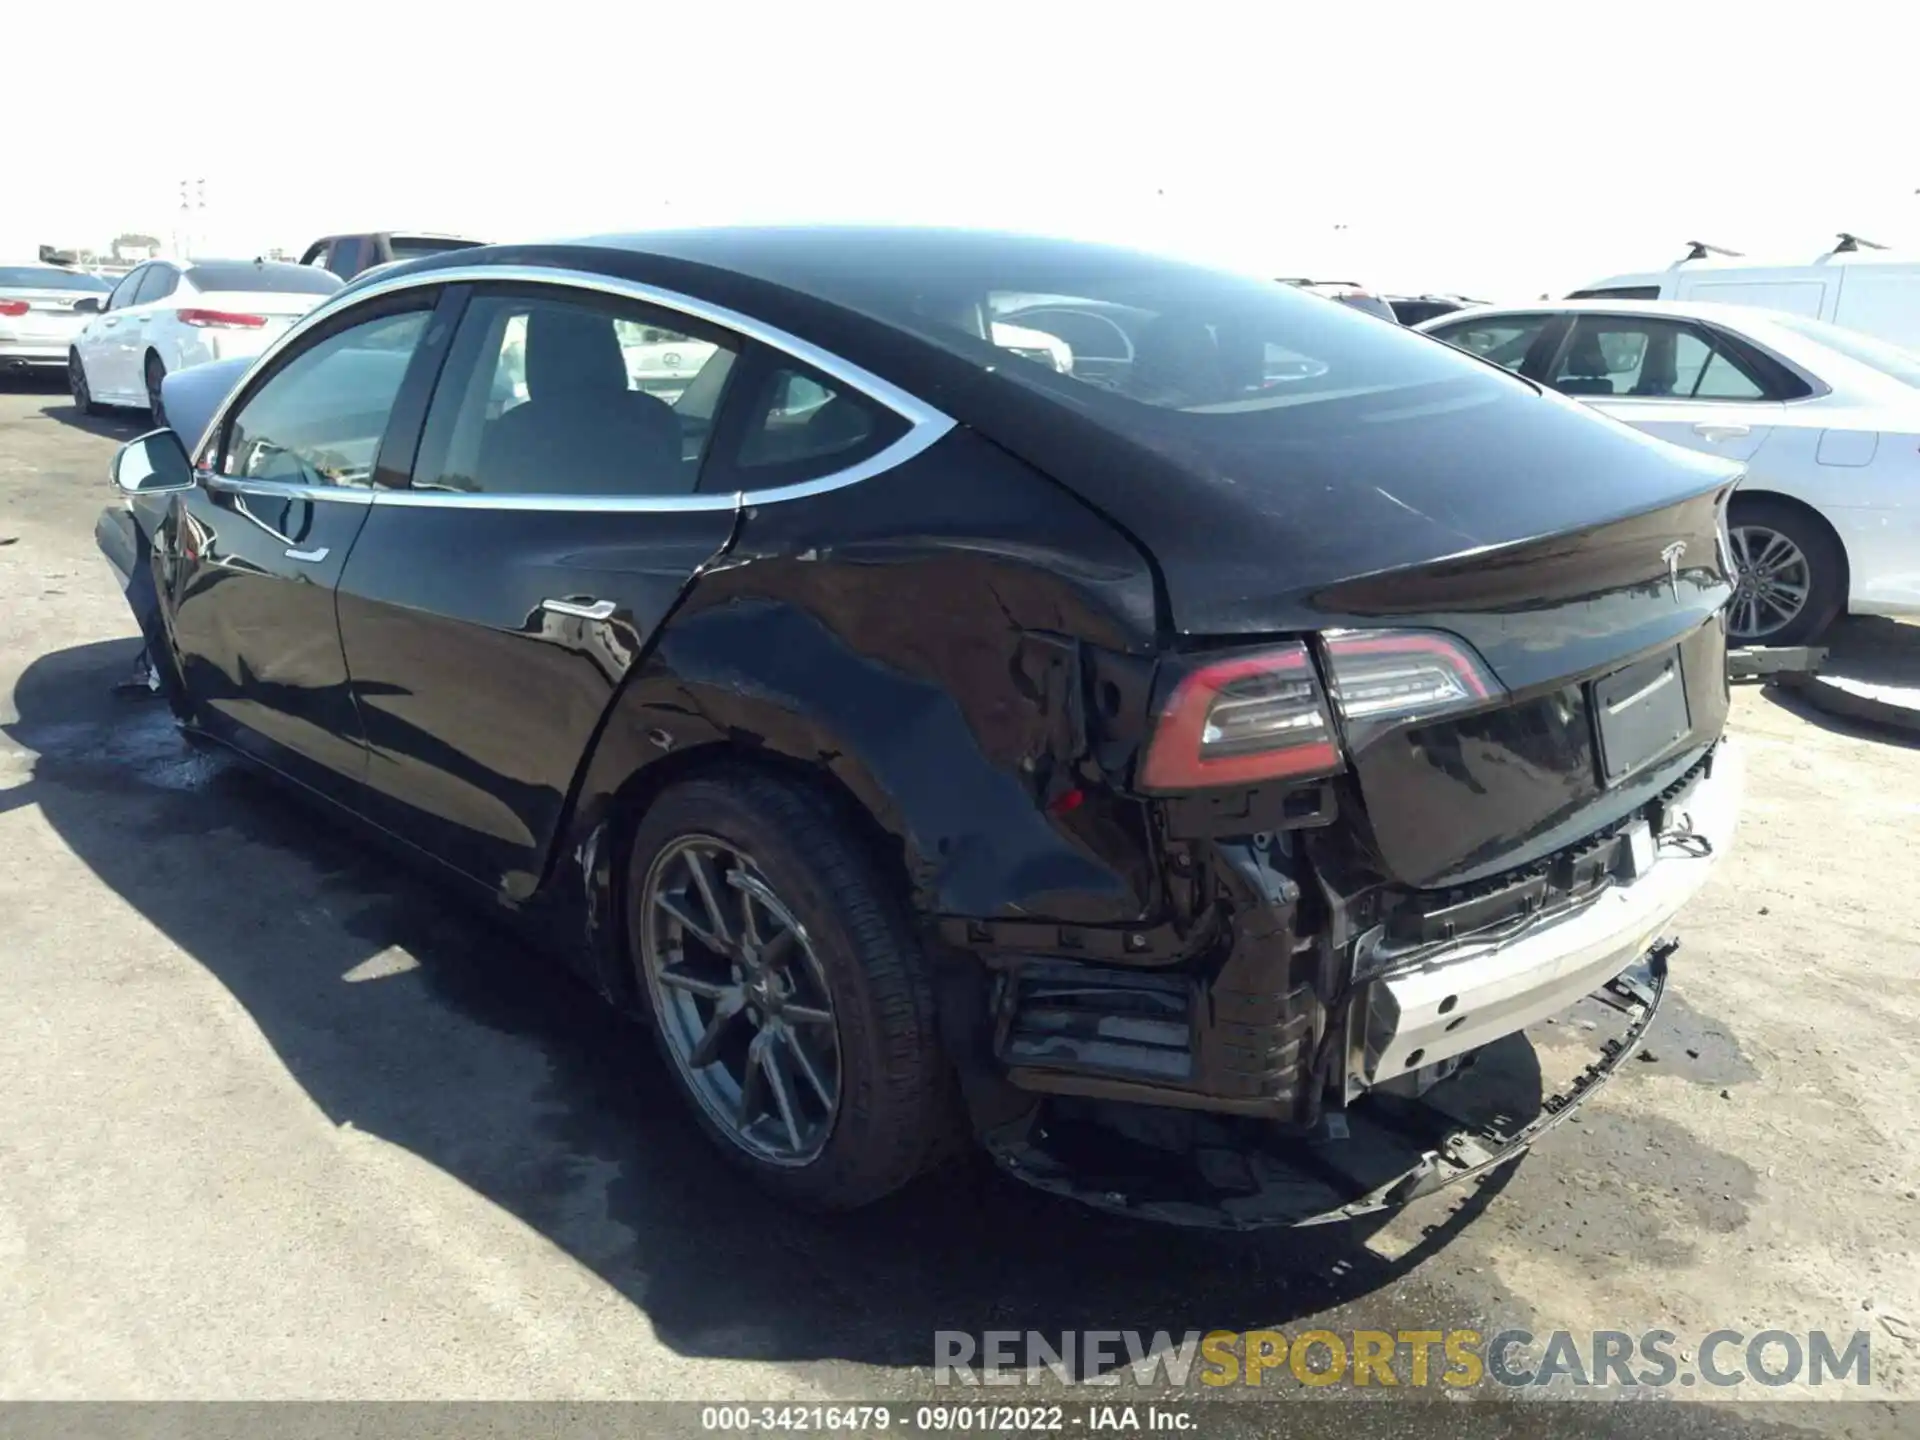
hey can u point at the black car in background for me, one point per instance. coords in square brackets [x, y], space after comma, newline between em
[355, 254]
[1417, 309]
[1161, 755]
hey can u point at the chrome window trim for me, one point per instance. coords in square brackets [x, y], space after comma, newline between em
[925, 425]
[599, 504]
[284, 489]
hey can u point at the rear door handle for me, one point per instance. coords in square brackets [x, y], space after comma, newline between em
[581, 609]
[308, 557]
[1709, 431]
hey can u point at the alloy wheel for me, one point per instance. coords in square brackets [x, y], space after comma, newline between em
[1772, 582]
[77, 381]
[741, 999]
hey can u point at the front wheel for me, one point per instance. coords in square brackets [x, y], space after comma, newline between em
[1789, 573]
[790, 996]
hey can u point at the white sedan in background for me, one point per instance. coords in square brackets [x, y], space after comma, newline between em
[167, 316]
[1826, 422]
[37, 316]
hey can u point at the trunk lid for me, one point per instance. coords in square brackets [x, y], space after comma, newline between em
[1563, 547]
[1615, 666]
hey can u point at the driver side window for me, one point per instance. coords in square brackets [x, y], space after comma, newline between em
[319, 418]
[122, 295]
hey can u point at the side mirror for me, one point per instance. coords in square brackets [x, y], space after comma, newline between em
[88, 305]
[155, 464]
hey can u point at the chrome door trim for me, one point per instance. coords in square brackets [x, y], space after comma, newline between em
[284, 489]
[598, 504]
[926, 425]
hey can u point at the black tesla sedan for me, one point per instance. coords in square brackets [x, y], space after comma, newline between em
[1145, 718]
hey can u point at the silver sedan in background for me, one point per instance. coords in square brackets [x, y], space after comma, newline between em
[38, 321]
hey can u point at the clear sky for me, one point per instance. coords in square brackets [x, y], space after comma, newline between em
[1499, 150]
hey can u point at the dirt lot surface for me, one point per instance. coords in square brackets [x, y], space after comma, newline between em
[281, 1120]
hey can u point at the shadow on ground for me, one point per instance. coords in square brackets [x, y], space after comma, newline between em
[487, 1062]
[1869, 684]
[113, 424]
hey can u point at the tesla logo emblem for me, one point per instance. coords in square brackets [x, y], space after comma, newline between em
[1672, 556]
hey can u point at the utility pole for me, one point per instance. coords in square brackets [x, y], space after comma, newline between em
[193, 216]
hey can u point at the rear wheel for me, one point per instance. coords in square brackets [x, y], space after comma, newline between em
[83, 400]
[1789, 573]
[156, 373]
[789, 994]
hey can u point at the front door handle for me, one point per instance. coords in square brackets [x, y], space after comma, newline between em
[308, 557]
[1707, 430]
[581, 609]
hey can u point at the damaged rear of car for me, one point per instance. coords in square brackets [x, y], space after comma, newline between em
[1428, 748]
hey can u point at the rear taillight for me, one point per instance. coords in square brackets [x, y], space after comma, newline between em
[1390, 677]
[13, 307]
[220, 319]
[1262, 717]
[1243, 721]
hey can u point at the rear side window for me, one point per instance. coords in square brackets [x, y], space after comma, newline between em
[566, 393]
[271, 277]
[160, 282]
[319, 418]
[800, 425]
[1632, 356]
[1503, 339]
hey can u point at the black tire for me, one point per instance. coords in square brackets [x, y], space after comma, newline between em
[896, 1113]
[82, 392]
[156, 373]
[1751, 517]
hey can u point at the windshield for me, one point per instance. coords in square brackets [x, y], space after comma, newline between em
[263, 277]
[46, 277]
[1888, 359]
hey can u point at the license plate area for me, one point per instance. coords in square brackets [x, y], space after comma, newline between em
[1640, 713]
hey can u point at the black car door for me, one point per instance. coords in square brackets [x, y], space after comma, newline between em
[490, 609]
[255, 549]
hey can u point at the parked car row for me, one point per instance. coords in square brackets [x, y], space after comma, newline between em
[1152, 722]
[167, 315]
[1824, 421]
[119, 343]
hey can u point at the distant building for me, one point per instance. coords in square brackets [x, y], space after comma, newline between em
[132, 249]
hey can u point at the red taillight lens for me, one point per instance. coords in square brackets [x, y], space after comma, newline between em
[1391, 677]
[221, 319]
[13, 307]
[1243, 721]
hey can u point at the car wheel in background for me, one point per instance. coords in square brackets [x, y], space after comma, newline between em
[83, 400]
[789, 994]
[156, 373]
[1790, 573]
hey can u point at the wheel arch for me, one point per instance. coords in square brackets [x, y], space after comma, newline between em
[962, 829]
[1751, 491]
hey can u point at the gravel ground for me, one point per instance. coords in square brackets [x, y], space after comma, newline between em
[281, 1121]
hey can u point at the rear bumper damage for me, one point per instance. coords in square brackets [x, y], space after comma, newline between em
[1217, 1173]
[1443, 1005]
[1292, 1081]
